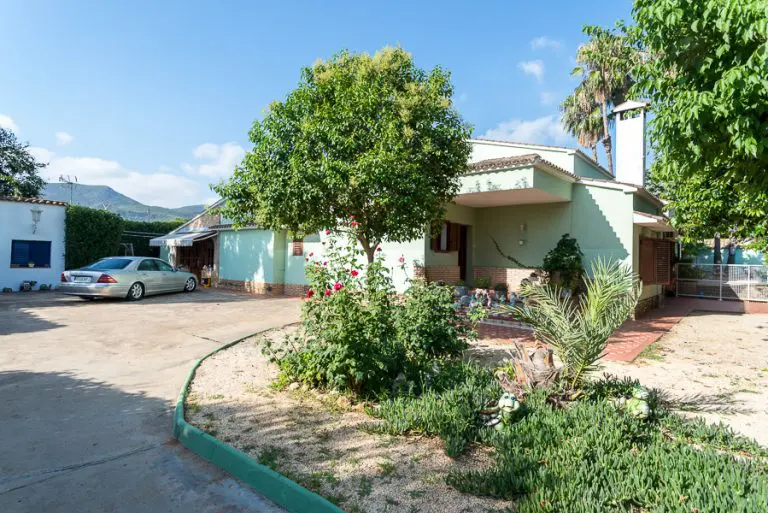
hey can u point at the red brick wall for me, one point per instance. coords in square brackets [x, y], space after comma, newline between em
[448, 273]
[512, 277]
[254, 287]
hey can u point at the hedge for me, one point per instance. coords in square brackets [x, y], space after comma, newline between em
[92, 234]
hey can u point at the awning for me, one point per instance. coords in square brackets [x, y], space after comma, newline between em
[181, 239]
[652, 222]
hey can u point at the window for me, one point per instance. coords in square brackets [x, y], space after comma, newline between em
[162, 266]
[31, 253]
[656, 261]
[448, 238]
[297, 247]
[109, 264]
[147, 265]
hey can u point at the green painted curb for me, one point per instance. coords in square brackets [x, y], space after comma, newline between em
[278, 488]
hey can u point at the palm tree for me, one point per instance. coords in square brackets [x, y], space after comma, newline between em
[581, 118]
[578, 329]
[605, 63]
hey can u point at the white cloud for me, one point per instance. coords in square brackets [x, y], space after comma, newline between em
[221, 159]
[152, 188]
[547, 97]
[63, 138]
[8, 123]
[545, 42]
[544, 130]
[533, 68]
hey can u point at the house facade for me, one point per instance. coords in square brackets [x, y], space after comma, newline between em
[31, 241]
[517, 200]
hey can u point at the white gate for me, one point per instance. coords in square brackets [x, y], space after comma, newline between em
[739, 282]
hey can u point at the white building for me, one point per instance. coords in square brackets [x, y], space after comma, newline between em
[31, 241]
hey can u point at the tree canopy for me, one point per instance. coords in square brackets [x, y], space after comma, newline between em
[706, 76]
[19, 172]
[369, 137]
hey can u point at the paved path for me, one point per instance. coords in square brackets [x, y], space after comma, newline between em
[634, 336]
[86, 395]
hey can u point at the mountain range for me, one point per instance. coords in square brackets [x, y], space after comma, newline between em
[102, 196]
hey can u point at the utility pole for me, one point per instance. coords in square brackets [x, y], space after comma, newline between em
[71, 181]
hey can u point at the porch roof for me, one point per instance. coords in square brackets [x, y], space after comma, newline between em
[517, 180]
[184, 239]
[652, 222]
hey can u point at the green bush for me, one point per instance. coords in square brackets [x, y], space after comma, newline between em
[140, 243]
[428, 326]
[357, 335]
[564, 260]
[90, 234]
[447, 408]
[482, 282]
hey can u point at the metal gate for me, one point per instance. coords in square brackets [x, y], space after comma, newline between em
[738, 282]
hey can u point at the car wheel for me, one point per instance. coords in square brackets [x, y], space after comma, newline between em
[190, 285]
[136, 291]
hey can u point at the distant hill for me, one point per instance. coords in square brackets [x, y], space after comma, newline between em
[101, 196]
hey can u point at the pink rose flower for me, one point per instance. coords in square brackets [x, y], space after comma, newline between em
[310, 293]
[327, 292]
[354, 272]
[337, 286]
[402, 259]
[327, 232]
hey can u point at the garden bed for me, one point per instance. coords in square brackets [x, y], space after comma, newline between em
[315, 440]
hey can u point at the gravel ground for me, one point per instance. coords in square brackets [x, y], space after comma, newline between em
[315, 440]
[713, 364]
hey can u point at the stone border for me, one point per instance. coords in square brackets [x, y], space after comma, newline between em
[276, 487]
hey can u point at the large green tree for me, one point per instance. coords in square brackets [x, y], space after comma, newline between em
[19, 171]
[604, 63]
[372, 137]
[706, 75]
[582, 117]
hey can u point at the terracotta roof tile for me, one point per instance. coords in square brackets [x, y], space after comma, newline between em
[38, 201]
[528, 159]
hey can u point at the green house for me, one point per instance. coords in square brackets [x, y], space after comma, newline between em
[517, 200]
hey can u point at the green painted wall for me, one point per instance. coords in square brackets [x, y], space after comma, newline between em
[545, 224]
[552, 184]
[497, 180]
[601, 220]
[642, 205]
[247, 255]
[586, 169]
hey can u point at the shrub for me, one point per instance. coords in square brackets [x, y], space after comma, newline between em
[90, 234]
[578, 331]
[429, 326]
[356, 335]
[564, 260]
[447, 408]
[482, 282]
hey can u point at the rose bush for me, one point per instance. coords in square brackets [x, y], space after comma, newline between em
[357, 334]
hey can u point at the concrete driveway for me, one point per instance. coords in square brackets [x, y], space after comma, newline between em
[86, 395]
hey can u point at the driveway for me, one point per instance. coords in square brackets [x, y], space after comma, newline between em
[87, 390]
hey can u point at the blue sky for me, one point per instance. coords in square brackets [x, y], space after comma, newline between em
[156, 98]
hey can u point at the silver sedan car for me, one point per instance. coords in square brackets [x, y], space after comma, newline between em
[126, 277]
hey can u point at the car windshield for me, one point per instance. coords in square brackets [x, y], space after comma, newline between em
[108, 264]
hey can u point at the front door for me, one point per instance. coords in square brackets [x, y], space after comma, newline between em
[463, 253]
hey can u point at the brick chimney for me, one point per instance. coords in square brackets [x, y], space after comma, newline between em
[630, 142]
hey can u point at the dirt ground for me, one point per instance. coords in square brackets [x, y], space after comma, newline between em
[315, 440]
[714, 365]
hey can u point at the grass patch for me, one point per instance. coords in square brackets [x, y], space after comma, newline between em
[588, 456]
[387, 468]
[652, 352]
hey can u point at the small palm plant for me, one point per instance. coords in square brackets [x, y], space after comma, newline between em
[578, 329]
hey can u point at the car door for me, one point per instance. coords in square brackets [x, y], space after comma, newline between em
[150, 276]
[172, 280]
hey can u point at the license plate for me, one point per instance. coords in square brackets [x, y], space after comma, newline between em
[82, 279]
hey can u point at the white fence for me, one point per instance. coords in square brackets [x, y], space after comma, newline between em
[738, 282]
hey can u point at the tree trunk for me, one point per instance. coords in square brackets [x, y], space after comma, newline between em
[594, 152]
[607, 137]
[370, 250]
